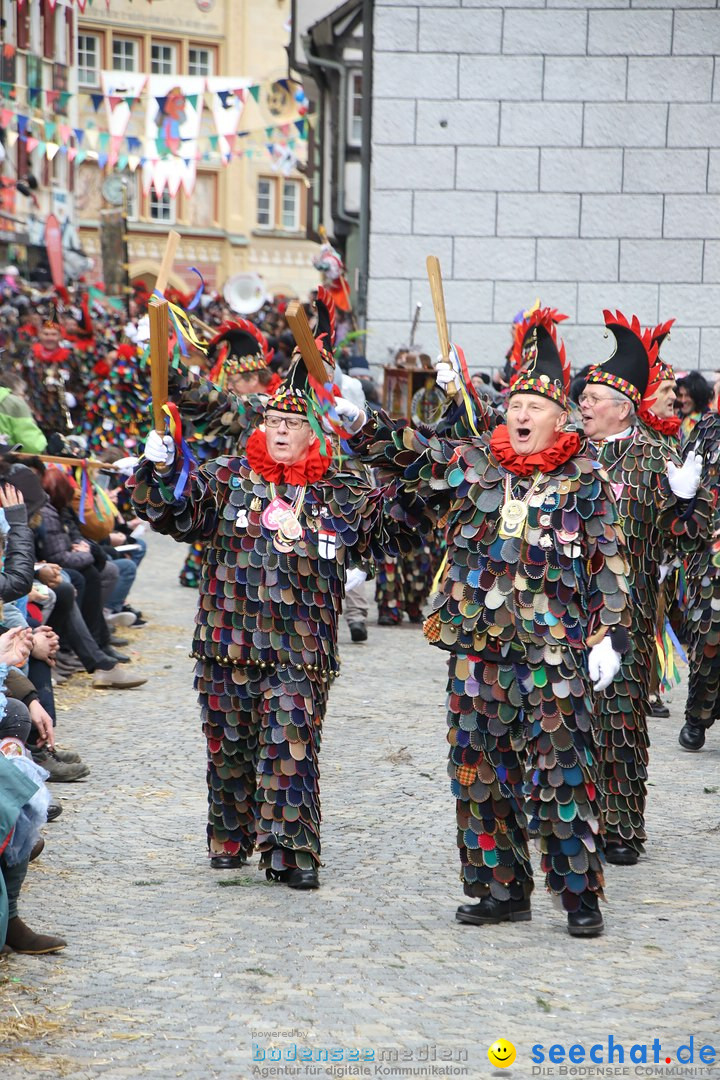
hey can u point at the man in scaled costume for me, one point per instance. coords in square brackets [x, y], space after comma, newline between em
[533, 608]
[279, 524]
[702, 616]
[662, 509]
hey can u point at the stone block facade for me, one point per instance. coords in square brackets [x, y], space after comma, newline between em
[566, 150]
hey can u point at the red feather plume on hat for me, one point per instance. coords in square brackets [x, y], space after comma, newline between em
[548, 318]
[326, 316]
[249, 328]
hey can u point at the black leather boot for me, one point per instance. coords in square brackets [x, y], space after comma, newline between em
[295, 878]
[620, 854]
[691, 737]
[227, 862]
[587, 921]
[490, 911]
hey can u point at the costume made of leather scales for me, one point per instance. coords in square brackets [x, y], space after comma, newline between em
[702, 617]
[265, 642]
[516, 615]
[220, 424]
[654, 522]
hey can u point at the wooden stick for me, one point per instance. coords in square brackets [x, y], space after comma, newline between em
[298, 323]
[167, 261]
[49, 459]
[158, 312]
[438, 298]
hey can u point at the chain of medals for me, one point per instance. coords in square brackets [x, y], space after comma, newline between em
[289, 528]
[514, 512]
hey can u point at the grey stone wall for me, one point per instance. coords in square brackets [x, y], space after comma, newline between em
[547, 148]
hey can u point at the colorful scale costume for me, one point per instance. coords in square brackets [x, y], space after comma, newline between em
[702, 618]
[654, 522]
[517, 613]
[265, 642]
[117, 404]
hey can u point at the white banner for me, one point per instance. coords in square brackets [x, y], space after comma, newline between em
[172, 125]
[228, 104]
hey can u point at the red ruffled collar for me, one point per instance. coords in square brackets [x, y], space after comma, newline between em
[669, 425]
[308, 470]
[565, 446]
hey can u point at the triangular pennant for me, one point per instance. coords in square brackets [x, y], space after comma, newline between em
[81, 155]
[12, 138]
[65, 96]
[22, 122]
[255, 91]
[97, 100]
[224, 95]
[31, 143]
[300, 125]
[91, 136]
[213, 140]
[103, 141]
[192, 99]
[33, 93]
[161, 102]
[130, 101]
[71, 153]
[133, 162]
[103, 160]
[51, 150]
[51, 96]
[114, 101]
[133, 143]
[5, 117]
[50, 128]
[79, 135]
[269, 132]
[122, 162]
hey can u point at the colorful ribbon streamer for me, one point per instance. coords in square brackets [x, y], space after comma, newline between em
[181, 447]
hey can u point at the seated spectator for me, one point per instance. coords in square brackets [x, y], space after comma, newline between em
[16, 792]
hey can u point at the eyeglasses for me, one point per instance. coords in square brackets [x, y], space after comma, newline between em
[290, 422]
[591, 399]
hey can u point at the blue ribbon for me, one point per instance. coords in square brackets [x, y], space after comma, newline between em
[187, 461]
[201, 288]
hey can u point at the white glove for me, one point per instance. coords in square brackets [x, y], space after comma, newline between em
[160, 449]
[351, 417]
[446, 372]
[603, 664]
[663, 571]
[685, 481]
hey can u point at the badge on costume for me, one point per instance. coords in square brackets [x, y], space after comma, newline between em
[327, 543]
[242, 519]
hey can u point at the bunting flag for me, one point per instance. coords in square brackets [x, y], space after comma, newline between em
[120, 89]
[228, 102]
[172, 126]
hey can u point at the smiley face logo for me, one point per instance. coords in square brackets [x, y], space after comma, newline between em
[501, 1053]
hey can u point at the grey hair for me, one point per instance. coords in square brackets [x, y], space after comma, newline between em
[617, 395]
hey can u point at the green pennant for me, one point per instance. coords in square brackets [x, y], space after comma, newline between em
[255, 91]
[130, 101]
[64, 98]
[193, 99]
[122, 162]
[213, 140]
[6, 88]
[80, 156]
[104, 141]
[269, 132]
[50, 129]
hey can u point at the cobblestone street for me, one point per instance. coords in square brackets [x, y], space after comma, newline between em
[175, 970]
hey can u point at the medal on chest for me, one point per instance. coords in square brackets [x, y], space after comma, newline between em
[283, 519]
[514, 512]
